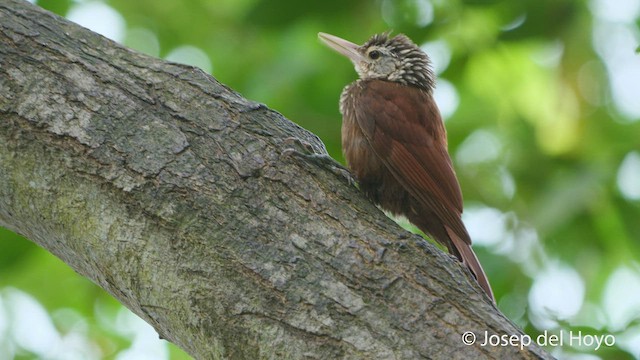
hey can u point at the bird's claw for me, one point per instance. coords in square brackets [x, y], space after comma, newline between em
[290, 142]
[322, 160]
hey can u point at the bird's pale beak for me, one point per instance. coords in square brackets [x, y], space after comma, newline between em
[342, 46]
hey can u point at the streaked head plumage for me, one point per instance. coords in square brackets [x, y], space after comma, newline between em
[389, 58]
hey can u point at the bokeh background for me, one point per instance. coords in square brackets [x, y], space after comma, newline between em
[542, 103]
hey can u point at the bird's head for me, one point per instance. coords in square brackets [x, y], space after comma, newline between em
[389, 58]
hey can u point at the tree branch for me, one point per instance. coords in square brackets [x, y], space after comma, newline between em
[169, 190]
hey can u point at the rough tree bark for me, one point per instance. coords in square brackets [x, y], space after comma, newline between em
[169, 190]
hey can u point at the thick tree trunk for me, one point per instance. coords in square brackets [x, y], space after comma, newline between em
[169, 190]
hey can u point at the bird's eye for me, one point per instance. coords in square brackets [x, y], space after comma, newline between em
[374, 54]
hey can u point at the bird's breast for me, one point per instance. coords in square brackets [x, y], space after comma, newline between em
[360, 156]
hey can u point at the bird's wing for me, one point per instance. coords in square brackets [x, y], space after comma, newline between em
[403, 126]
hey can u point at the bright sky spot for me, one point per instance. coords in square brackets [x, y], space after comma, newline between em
[190, 55]
[26, 327]
[446, 96]
[100, 18]
[622, 297]
[419, 12]
[630, 340]
[439, 53]
[32, 327]
[424, 10]
[626, 11]
[6, 352]
[486, 225]
[524, 247]
[557, 294]
[480, 146]
[508, 183]
[145, 345]
[615, 39]
[505, 235]
[629, 176]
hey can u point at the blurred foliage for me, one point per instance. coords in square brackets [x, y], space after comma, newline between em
[537, 134]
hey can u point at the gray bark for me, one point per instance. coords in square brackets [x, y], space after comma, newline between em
[169, 190]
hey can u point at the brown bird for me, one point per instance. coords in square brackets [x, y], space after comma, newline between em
[395, 142]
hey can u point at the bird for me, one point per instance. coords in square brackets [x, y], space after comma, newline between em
[395, 143]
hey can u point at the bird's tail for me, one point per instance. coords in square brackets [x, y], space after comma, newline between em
[468, 257]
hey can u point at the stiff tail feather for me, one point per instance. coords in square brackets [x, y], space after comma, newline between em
[470, 260]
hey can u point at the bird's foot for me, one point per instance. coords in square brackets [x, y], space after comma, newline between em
[293, 142]
[323, 160]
